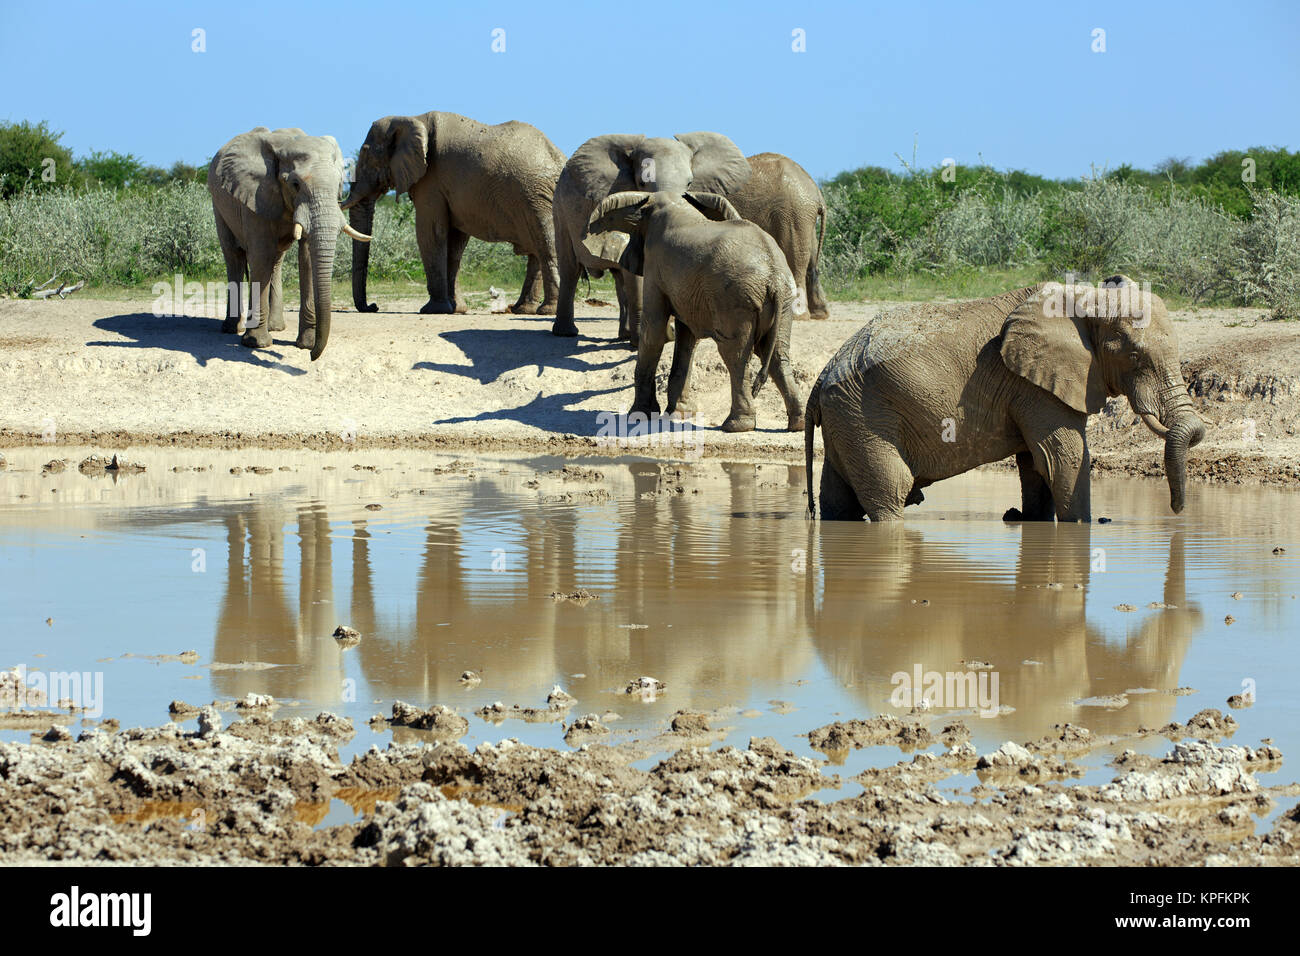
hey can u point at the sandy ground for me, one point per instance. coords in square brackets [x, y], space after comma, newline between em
[109, 373]
[256, 789]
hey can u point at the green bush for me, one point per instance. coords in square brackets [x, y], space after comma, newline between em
[1267, 262]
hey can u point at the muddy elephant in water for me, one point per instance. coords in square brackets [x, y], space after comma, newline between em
[723, 278]
[465, 179]
[926, 393]
[270, 188]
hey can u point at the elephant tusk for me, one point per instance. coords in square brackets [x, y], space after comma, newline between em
[297, 231]
[359, 236]
[1153, 423]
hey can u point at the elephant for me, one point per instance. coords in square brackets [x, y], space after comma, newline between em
[270, 188]
[704, 162]
[724, 278]
[465, 179]
[783, 199]
[923, 394]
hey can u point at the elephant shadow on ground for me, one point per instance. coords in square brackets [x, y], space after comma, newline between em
[493, 353]
[196, 336]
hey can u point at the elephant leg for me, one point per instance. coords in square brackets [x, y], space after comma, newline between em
[567, 267]
[261, 271]
[456, 242]
[526, 304]
[648, 352]
[818, 307]
[736, 353]
[306, 299]
[548, 266]
[236, 284]
[680, 400]
[633, 291]
[1061, 459]
[276, 315]
[432, 229]
[1035, 496]
[837, 500]
[620, 290]
[783, 379]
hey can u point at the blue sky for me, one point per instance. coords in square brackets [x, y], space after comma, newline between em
[1015, 83]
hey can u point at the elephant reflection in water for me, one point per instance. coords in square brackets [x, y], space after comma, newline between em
[257, 621]
[725, 585]
[721, 589]
[870, 624]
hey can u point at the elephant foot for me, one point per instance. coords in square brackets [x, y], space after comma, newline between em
[682, 412]
[523, 308]
[438, 307]
[258, 338]
[277, 325]
[738, 423]
[820, 315]
[565, 328]
[230, 326]
[649, 411]
[306, 339]
[462, 307]
[546, 308]
[364, 307]
[1013, 514]
[795, 423]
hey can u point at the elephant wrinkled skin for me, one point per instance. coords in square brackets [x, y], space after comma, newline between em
[722, 277]
[926, 393]
[465, 179]
[270, 188]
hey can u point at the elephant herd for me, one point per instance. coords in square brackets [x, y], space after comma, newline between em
[728, 246]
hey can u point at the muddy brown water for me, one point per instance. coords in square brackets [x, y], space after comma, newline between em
[706, 577]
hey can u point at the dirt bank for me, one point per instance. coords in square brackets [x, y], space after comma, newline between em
[257, 790]
[109, 374]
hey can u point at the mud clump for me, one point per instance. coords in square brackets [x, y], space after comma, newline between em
[1210, 723]
[584, 728]
[690, 725]
[647, 688]
[346, 636]
[580, 597]
[98, 465]
[439, 720]
[843, 736]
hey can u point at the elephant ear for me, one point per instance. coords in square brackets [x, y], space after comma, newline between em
[714, 206]
[603, 165]
[248, 168]
[717, 164]
[1053, 349]
[408, 152]
[613, 235]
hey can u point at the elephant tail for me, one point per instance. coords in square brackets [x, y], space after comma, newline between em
[812, 417]
[770, 319]
[821, 231]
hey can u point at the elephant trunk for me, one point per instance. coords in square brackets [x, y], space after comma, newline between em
[325, 224]
[362, 218]
[1181, 429]
[1185, 433]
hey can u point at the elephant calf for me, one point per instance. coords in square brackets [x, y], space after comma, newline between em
[722, 277]
[926, 393]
